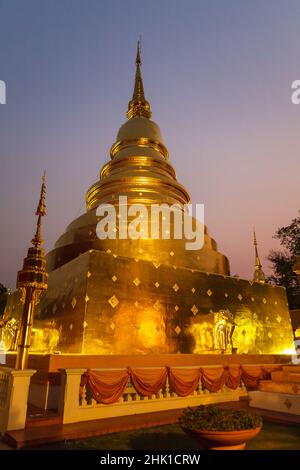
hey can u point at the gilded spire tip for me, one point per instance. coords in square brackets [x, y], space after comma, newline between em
[138, 53]
[138, 106]
[40, 212]
[254, 237]
[259, 275]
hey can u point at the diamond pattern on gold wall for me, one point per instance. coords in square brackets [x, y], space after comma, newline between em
[136, 281]
[194, 310]
[113, 301]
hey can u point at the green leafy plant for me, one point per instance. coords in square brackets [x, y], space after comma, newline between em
[214, 418]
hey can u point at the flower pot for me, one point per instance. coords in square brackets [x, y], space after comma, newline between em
[223, 440]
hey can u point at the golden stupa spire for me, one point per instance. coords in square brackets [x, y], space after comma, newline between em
[259, 275]
[138, 106]
[32, 280]
[40, 212]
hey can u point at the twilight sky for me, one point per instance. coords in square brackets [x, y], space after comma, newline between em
[218, 76]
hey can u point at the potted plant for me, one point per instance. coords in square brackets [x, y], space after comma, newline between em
[217, 428]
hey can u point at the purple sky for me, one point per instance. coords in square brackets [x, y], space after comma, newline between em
[218, 76]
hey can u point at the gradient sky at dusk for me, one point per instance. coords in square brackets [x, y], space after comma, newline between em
[218, 76]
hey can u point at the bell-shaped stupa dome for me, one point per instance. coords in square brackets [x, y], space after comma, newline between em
[139, 169]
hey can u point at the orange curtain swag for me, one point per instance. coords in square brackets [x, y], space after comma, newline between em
[107, 386]
[184, 381]
[148, 382]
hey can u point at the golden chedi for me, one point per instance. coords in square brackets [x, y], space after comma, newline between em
[139, 169]
[148, 296]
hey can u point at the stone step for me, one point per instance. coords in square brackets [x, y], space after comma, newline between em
[283, 376]
[292, 388]
[291, 368]
[37, 421]
[276, 402]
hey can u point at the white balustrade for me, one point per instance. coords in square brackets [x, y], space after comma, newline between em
[74, 409]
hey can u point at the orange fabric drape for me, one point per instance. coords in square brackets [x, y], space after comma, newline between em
[148, 382]
[214, 378]
[251, 375]
[184, 381]
[233, 376]
[107, 386]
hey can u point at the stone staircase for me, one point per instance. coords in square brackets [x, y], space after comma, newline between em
[281, 393]
[286, 380]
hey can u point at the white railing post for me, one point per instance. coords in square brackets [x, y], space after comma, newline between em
[17, 399]
[68, 404]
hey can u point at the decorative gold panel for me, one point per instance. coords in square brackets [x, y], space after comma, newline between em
[288, 404]
[177, 330]
[136, 282]
[113, 301]
[194, 310]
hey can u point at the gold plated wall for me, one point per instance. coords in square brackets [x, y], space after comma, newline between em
[101, 303]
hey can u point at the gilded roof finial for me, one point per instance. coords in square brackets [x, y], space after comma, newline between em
[40, 212]
[138, 106]
[32, 280]
[259, 275]
[138, 52]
